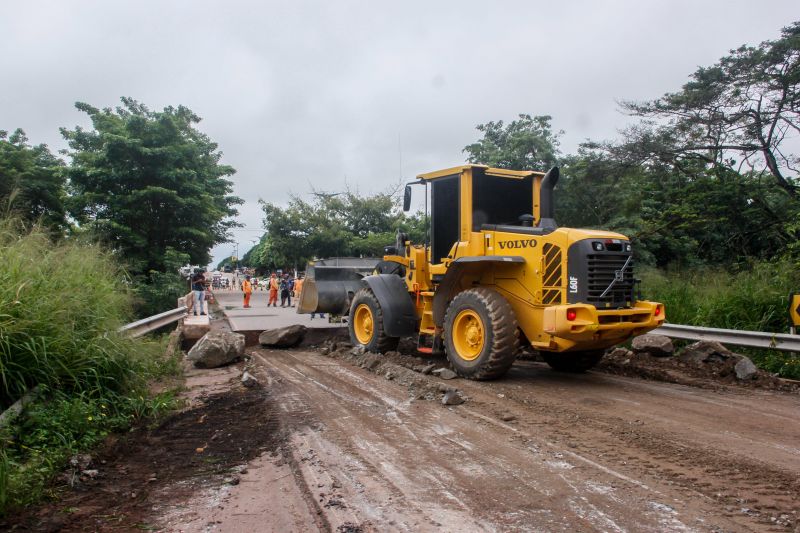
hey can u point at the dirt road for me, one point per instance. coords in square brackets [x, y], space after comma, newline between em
[362, 443]
[537, 451]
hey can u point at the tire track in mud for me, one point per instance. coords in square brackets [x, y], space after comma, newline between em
[744, 489]
[541, 468]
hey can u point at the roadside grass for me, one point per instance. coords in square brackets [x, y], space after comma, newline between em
[61, 304]
[756, 299]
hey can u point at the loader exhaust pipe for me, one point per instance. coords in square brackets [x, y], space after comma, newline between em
[546, 218]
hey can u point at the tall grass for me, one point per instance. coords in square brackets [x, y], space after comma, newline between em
[61, 304]
[755, 298]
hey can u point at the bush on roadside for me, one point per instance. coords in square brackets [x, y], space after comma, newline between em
[754, 298]
[60, 307]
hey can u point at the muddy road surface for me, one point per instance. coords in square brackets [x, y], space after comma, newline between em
[345, 443]
[537, 451]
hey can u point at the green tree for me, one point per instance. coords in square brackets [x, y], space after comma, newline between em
[724, 144]
[528, 143]
[150, 184]
[331, 225]
[740, 115]
[31, 182]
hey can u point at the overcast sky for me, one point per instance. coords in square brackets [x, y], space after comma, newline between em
[328, 94]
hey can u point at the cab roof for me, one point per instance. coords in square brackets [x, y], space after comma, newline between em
[497, 172]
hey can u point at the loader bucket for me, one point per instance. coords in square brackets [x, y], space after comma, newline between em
[330, 284]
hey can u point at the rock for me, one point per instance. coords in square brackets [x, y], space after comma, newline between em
[445, 373]
[372, 362]
[325, 351]
[745, 369]
[249, 380]
[655, 345]
[80, 461]
[704, 351]
[620, 353]
[91, 474]
[452, 397]
[282, 337]
[428, 369]
[359, 350]
[217, 348]
[389, 375]
[507, 417]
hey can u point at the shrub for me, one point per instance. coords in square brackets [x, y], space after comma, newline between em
[61, 304]
[755, 298]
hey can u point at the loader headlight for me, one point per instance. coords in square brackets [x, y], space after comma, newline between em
[598, 246]
[627, 247]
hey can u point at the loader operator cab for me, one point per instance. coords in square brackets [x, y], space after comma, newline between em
[504, 199]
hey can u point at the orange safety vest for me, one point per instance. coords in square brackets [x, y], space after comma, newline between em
[274, 284]
[247, 287]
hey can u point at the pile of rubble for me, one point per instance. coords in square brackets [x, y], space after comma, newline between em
[423, 377]
[655, 357]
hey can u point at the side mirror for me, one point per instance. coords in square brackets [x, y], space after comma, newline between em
[407, 198]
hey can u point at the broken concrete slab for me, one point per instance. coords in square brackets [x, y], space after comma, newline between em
[285, 337]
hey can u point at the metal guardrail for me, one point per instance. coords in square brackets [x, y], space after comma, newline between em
[151, 323]
[752, 339]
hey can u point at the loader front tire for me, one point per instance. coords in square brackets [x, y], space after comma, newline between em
[573, 362]
[366, 323]
[480, 334]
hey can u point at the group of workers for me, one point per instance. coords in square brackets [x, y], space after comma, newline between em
[285, 285]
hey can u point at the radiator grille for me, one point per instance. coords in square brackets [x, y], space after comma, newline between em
[601, 271]
[553, 279]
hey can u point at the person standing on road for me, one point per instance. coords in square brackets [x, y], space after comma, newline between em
[274, 285]
[247, 289]
[199, 288]
[285, 296]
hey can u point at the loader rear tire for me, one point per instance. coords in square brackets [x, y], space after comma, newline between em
[573, 362]
[480, 334]
[366, 323]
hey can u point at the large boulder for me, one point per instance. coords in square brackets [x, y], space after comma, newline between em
[705, 352]
[655, 345]
[217, 348]
[283, 337]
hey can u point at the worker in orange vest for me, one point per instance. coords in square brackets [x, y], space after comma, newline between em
[274, 285]
[298, 288]
[247, 288]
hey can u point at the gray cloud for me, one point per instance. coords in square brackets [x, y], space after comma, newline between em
[302, 94]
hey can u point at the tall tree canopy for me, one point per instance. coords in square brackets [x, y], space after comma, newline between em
[528, 143]
[330, 225]
[150, 183]
[741, 114]
[31, 182]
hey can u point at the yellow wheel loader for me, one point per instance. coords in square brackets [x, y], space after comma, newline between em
[497, 273]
